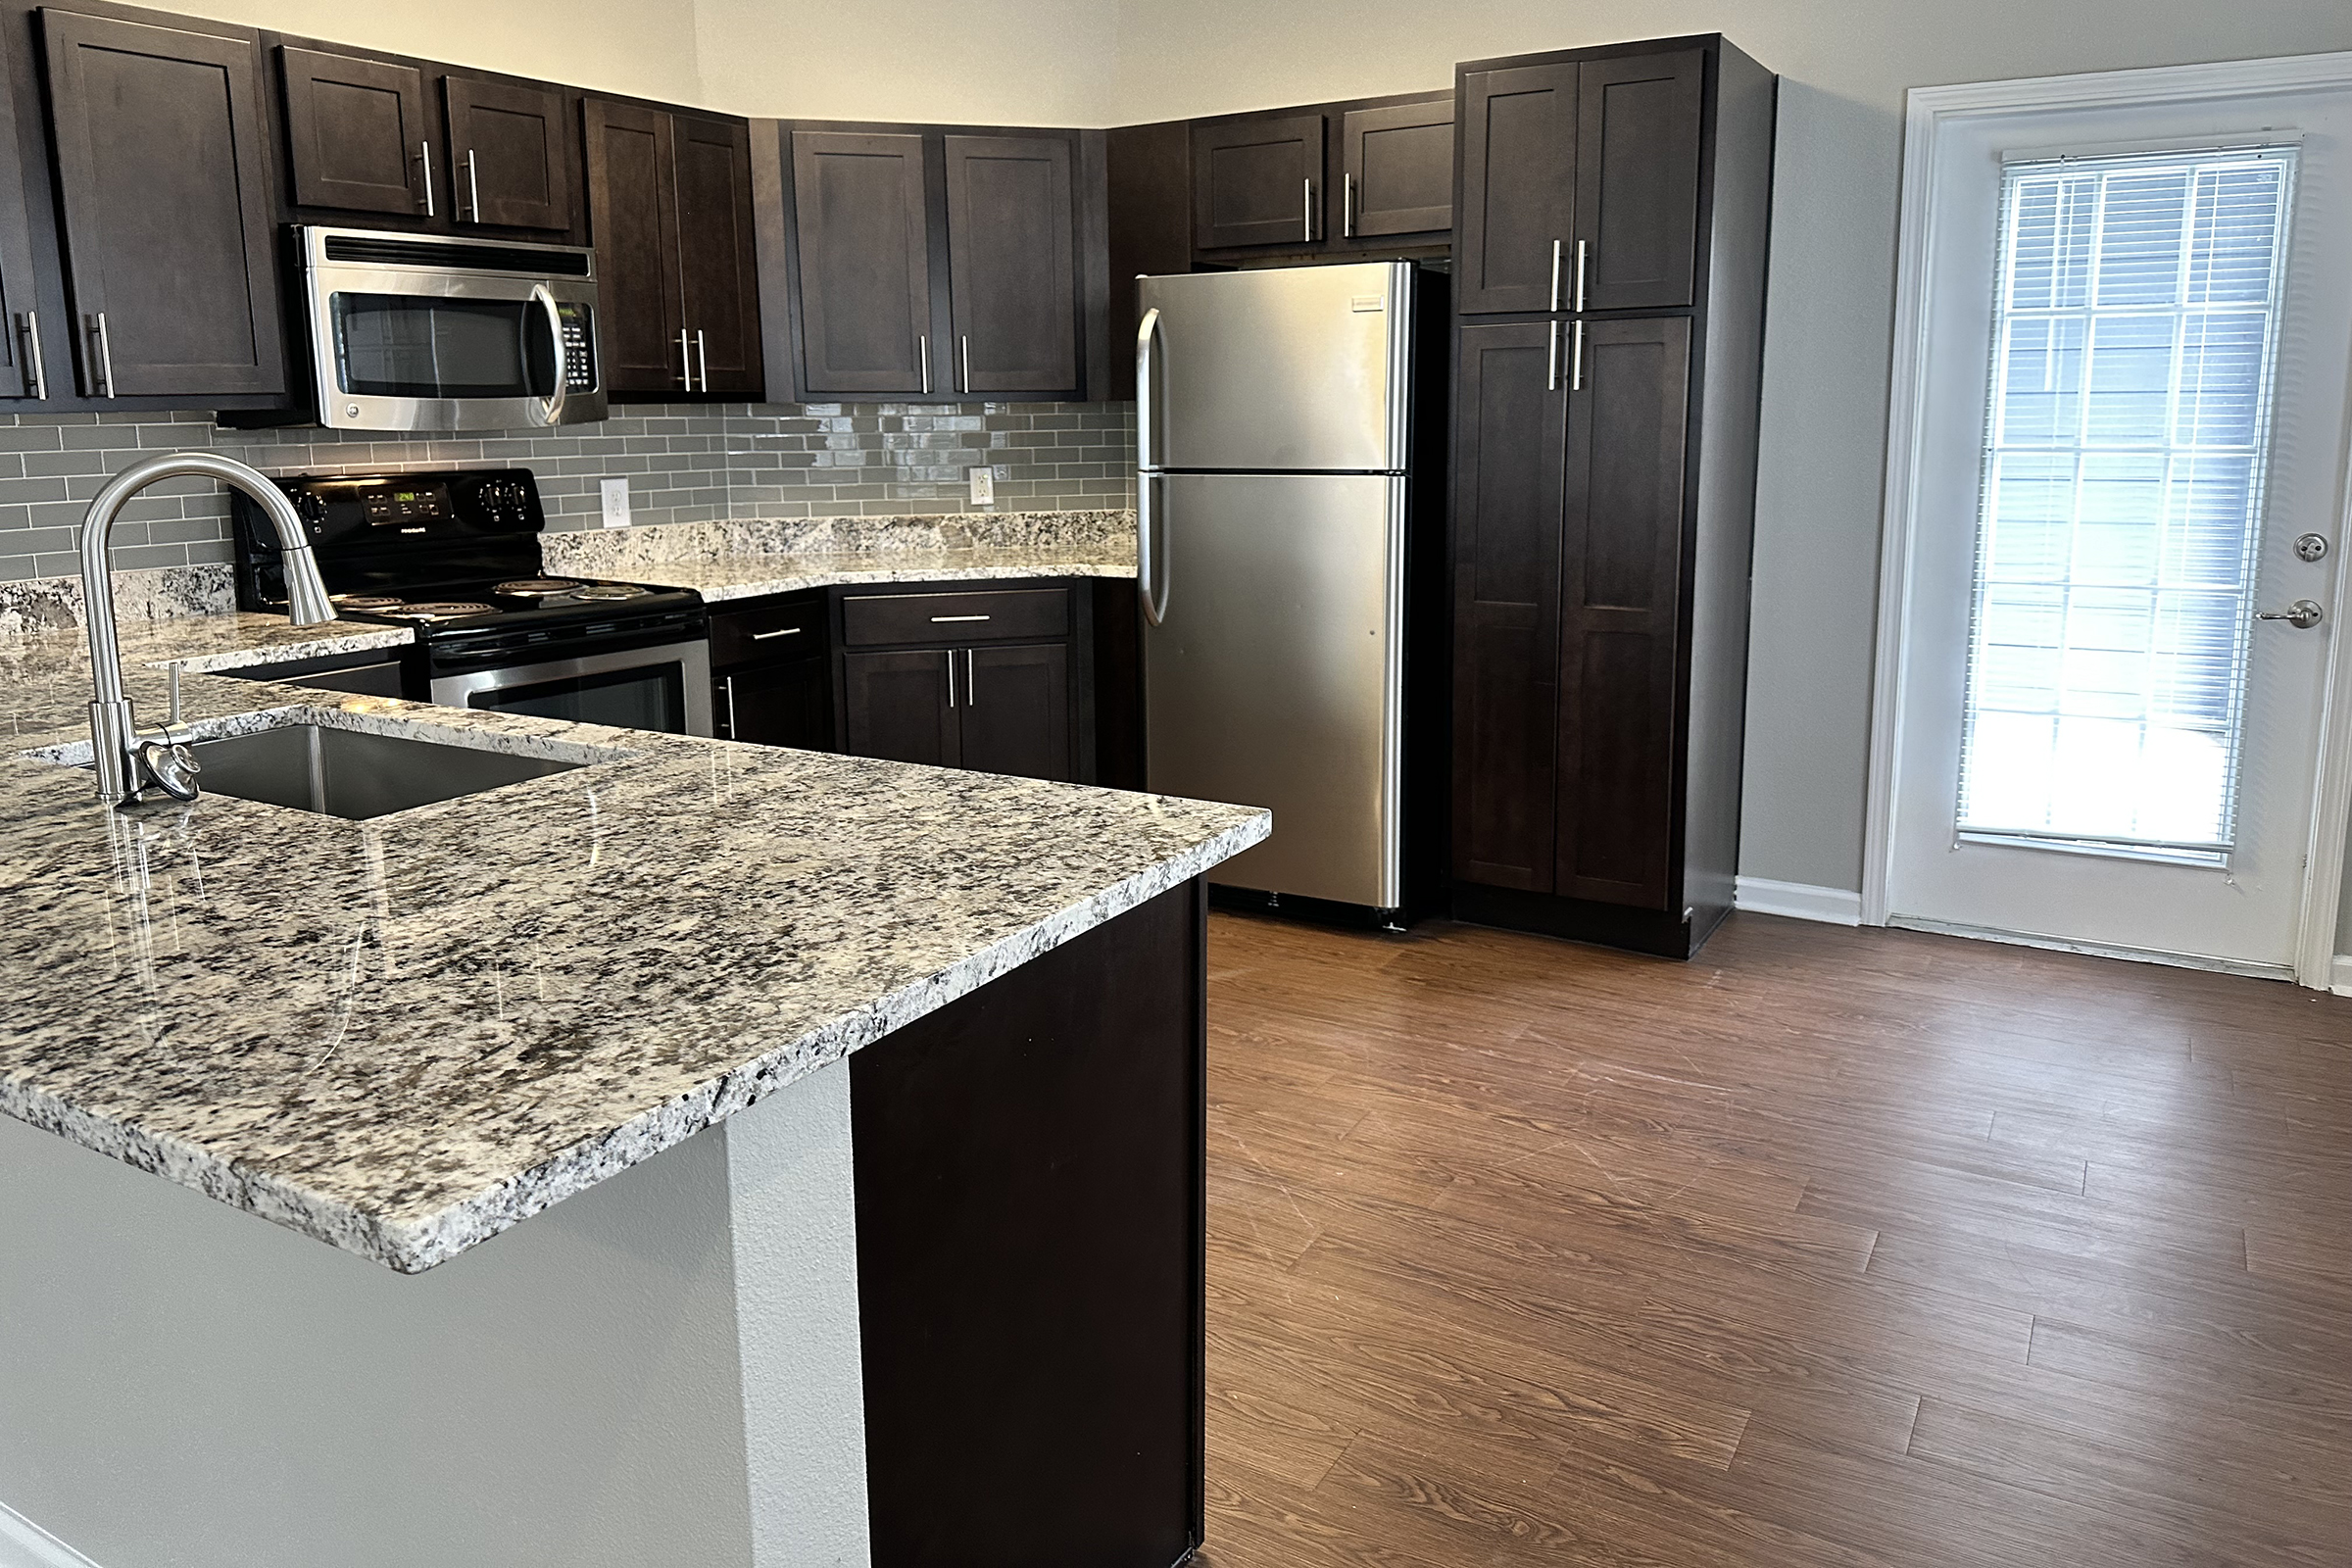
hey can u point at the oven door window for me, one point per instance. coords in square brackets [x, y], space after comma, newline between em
[648, 697]
[425, 346]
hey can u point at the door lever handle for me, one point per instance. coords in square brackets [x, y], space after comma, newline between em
[2302, 615]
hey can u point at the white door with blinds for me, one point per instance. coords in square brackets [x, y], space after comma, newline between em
[2132, 425]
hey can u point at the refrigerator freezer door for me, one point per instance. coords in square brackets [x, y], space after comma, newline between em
[1275, 678]
[1298, 369]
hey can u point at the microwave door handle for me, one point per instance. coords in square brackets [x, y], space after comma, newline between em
[555, 336]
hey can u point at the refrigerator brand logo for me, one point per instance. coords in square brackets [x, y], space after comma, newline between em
[1367, 302]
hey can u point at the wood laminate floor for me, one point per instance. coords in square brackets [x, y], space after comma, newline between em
[1832, 1247]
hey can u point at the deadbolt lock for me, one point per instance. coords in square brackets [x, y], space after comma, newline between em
[2311, 547]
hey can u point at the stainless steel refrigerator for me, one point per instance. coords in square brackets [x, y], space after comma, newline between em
[1276, 436]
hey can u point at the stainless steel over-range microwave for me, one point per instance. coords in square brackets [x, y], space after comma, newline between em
[424, 333]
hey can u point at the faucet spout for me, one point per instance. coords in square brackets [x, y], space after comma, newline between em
[115, 740]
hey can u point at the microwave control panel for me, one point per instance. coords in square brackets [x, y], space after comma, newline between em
[579, 347]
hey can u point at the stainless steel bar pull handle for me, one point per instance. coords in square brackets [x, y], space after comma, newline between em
[730, 707]
[1150, 574]
[1347, 207]
[1306, 210]
[424, 160]
[1576, 361]
[685, 360]
[37, 375]
[787, 631]
[1147, 339]
[923, 346]
[971, 680]
[950, 657]
[702, 355]
[1551, 355]
[473, 185]
[1555, 277]
[2302, 615]
[963, 356]
[105, 356]
[938, 620]
[1581, 249]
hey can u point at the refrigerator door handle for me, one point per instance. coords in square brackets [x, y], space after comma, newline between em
[1146, 336]
[1153, 595]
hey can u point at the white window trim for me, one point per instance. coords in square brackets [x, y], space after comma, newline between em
[1930, 114]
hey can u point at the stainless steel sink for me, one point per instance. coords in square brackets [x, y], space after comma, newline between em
[353, 773]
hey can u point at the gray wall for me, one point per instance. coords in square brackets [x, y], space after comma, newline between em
[688, 464]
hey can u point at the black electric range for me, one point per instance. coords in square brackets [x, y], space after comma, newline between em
[455, 556]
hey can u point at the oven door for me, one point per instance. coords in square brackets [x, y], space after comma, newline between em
[665, 688]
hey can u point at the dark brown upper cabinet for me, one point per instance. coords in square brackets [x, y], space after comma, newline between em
[669, 202]
[163, 184]
[1637, 180]
[633, 218]
[356, 136]
[930, 262]
[718, 262]
[26, 361]
[1518, 193]
[1012, 264]
[1580, 184]
[863, 224]
[1397, 170]
[509, 164]
[1257, 179]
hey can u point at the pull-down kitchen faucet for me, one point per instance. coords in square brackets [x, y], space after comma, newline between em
[127, 762]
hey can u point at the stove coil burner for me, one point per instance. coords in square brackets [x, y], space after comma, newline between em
[610, 590]
[439, 609]
[363, 600]
[539, 587]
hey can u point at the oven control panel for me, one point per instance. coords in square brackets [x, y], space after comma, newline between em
[393, 510]
[420, 502]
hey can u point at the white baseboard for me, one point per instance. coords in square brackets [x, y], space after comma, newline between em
[2340, 982]
[1799, 900]
[25, 1545]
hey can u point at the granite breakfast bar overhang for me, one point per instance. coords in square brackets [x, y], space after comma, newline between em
[866, 1098]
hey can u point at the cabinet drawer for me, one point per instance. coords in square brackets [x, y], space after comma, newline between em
[776, 629]
[974, 617]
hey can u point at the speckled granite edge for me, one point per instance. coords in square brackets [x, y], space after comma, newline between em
[33, 605]
[412, 1248]
[627, 552]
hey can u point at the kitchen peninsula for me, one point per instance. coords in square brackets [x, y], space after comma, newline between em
[710, 1154]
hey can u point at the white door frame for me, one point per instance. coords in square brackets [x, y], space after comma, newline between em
[1928, 113]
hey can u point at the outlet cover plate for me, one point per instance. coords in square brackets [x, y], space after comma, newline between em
[616, 494]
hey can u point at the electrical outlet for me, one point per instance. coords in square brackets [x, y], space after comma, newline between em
[616, 502]
[984, 487]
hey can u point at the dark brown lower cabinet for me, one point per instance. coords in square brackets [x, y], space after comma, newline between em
[994, 710]
[1031, 1259]
[787, 703]
[895, 705]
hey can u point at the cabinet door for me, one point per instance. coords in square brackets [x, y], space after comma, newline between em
[1637, 180]
[902, 706]
[1258, 181]
[632, 216]
[777, 705]
[506, 154]
[1016, 711]
[163, 181]
[718, 264]
[1012, 268]
[1511, 425]
[1399, 163]
[356, 133]
[865, 251]
[1518, 191]
[1620, 593]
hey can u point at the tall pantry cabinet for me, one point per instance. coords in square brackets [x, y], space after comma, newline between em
[1612, 207]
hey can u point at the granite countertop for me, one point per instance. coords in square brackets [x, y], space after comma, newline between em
[749, 576]
[403, 1036]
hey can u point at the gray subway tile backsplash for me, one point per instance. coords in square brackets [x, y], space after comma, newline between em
[684, 463]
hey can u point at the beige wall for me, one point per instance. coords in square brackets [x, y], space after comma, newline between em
[643, 47]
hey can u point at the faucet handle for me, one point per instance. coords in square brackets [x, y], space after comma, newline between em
[173, 722]
[170, 766]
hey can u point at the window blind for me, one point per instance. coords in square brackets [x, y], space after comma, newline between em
[2135, 326]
